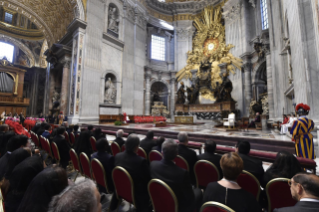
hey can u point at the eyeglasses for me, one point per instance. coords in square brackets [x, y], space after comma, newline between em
[290, 182]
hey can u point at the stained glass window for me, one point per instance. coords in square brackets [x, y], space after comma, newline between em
[158, 48]
[6, 50]
[8, 18]
[264, 14]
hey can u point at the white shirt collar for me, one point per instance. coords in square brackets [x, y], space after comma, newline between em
[308, 200]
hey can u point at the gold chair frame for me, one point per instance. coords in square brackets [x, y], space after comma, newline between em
[205, 161]
[157, 152]
[114, 142]
[250, 174]
[169, 190]
[268, 185]
[130, 179]
[178, 156]
[77, 158]
[58, 159]
[104, 178]
[94, 142]
[88, 161]
[140, 148]
[217, 204]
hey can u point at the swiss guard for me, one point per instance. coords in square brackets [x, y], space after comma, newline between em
[301, 133]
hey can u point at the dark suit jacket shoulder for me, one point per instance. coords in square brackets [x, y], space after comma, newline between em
[214, 159]
[119, 141]
[147, 144]
[107, 161]
[178, 180]
[301, 207]
[64, 148]
[253, 165]
[190, 156]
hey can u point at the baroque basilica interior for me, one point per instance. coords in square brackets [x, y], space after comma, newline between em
[226, 70]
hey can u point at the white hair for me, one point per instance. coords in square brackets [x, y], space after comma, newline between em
[182, 137]
[119, 133]
[79, 197]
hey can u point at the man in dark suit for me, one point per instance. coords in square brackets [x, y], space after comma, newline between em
[209, 155]
[138, 168]
[119, 140]
[304, 188]
[5, 136]
[63, 146]
[107, 161]
[252, 165]
[47, 129]
[177, 178]
[188, 154]
[148, 143]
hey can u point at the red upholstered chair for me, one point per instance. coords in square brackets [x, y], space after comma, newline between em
[205, 173]
[75, 161]
[77, 136]
[93, 142]
[72, 138]
[35, 139]
[215, 207]
[155, 155]
[123, 147]
[46, 146]
[141, 152]
[278, 194]
[123, 184]
[161, 193]
[66, 135]
[115, 147]
[99, 174]
[85, 164]
[181, 162]
[56, 153]
[249, 183]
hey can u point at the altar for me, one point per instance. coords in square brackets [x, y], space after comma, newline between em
[217, 107]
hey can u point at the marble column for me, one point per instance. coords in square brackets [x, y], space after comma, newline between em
[65, 86]
[172, 108]
[47, 90]
[270, 86]
[148, 75]
[247, 87]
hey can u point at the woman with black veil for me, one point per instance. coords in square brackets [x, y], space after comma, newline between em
[48, 183]
[20, 179]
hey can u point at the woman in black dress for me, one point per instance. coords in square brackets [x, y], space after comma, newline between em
[227, 191]
[48, 183]
[83, 144]
[285, 165]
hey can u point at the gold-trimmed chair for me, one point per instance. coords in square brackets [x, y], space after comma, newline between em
[141, 152]
[85, 164]
[205, 173]
[75, 161]
[160, 192]
[115, 147]
[215, 207]
[155, 155]
[99, 174]
[279, 194]
[56, 153]
[250, 183]
[181, 162]
[123, 184]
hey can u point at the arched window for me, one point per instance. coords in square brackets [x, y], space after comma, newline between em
[264, 14]
[6, 50]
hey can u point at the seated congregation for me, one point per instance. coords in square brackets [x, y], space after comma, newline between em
[151, 174]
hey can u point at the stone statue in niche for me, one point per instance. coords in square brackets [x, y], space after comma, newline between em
[110, 92]
[113, 19]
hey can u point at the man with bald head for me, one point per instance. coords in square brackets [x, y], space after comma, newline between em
[304, 188]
